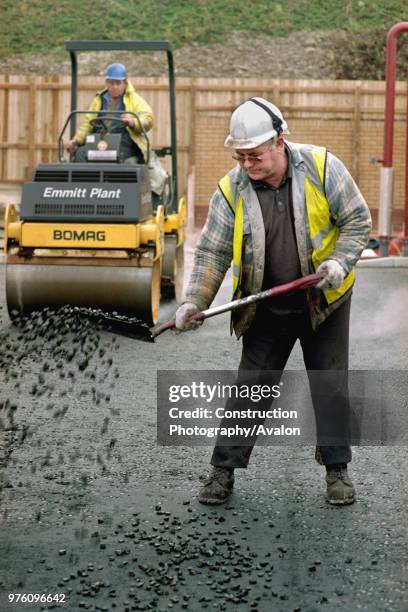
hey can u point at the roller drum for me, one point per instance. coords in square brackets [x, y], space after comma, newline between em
[130, 290]
[173, 268]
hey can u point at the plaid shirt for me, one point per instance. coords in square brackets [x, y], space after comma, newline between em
[213, 255]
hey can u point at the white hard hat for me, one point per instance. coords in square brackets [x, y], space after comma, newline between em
[254, 122]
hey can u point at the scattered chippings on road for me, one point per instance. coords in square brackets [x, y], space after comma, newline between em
[92, 508]
[184, 557]
[56, 359]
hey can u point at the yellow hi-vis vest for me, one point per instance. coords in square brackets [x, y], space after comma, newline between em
[323, 234]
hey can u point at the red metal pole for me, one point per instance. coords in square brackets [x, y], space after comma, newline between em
[390, 73]
[386, 177]
[405, 250]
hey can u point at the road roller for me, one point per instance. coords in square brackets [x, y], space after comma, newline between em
[93, 234]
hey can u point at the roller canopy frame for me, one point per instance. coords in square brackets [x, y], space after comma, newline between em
[77, 46]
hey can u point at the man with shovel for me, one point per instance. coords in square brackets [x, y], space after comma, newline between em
[284, 211]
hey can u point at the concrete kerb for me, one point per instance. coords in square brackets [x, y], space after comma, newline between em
[383, 262]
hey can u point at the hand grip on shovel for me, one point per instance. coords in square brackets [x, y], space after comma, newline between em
[300, 283]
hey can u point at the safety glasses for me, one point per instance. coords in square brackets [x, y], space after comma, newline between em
[254, 159]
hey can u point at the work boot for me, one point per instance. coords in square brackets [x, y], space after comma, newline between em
[340, 490]
[217, 486]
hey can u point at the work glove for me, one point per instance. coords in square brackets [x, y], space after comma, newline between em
[183, 313]
[334, 274]
[72, 146]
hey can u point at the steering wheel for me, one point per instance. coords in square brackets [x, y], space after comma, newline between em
[98, 123]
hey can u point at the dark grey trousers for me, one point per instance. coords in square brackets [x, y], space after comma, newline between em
[267, 346]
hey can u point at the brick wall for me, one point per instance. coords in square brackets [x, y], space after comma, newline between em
[356, 140]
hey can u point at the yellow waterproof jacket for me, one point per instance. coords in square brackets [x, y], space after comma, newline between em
[134, 104]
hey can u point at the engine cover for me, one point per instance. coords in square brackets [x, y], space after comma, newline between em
[114, 193]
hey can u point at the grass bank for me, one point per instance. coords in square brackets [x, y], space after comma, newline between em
[38, 26]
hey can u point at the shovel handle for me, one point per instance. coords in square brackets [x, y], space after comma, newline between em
[300, 283]
[199, 316]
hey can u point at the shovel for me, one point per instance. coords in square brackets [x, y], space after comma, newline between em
[136, 329]
[301, 283]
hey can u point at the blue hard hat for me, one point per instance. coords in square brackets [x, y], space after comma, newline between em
[116, 72]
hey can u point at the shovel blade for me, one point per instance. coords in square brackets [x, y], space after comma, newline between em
[130, 328]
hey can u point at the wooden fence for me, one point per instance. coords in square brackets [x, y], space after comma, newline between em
[345, 116]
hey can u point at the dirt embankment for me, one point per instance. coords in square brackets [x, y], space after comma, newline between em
[302, 55]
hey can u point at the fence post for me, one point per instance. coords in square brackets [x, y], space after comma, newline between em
[191, 161]
[31, 126]
[4, 134]
[276, 94]
[356, 131]
[55, 119]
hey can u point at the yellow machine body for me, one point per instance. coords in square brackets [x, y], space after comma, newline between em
[111, 266]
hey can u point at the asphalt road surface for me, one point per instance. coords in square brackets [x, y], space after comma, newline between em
[94, 511]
